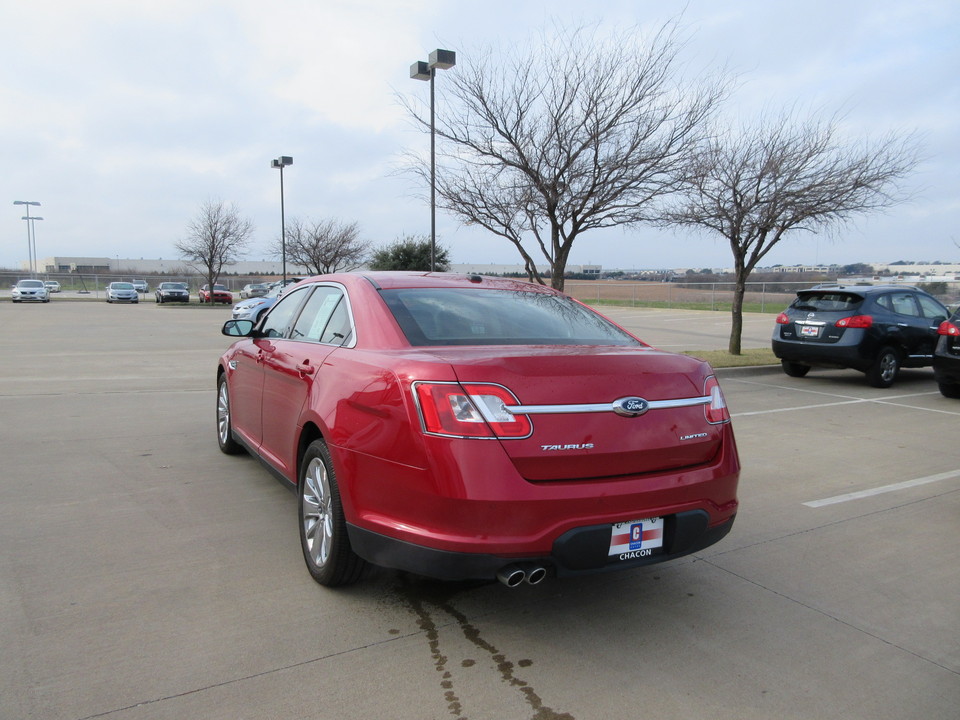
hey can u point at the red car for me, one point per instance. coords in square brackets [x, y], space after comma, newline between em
[220, 294]
[472, 427]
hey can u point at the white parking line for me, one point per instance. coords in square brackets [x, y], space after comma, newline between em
[857, 401]
[883, 489]
[844, 400]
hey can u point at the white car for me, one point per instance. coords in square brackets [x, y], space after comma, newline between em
[122, 292]
[52, 285]
[30, 290]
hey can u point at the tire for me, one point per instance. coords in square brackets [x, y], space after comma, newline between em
[323, 529]
[228, 446]
[949, 390]
[794, 369]
[885, 368]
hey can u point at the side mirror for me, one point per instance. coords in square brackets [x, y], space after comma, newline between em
[237, 328]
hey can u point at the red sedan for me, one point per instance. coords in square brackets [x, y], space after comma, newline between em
[220, 294]
[472, 427]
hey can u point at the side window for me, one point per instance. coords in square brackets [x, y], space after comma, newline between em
[282, 314]
[904, 304]
[324, 317]
[931, 308]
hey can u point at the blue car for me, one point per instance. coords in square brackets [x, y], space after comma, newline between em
[254, 308]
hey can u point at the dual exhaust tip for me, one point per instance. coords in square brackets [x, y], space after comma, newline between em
[514, 575]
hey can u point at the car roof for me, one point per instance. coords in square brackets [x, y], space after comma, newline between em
[858, 289]
[391, 280]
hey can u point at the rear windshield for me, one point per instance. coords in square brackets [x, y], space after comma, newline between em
[827, 302]
[463, 316]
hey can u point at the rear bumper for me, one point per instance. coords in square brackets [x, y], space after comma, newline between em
[580, 551]
[946, 369]
[825, 354]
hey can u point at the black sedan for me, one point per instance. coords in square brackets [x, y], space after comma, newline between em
[946, 357]
[172, 292]
[873, 329]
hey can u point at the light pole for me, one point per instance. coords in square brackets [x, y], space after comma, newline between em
[31, 234]
[32, 220]
[280, 163]
[443, 60]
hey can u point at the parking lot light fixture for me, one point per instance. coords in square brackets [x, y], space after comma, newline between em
[31, 234]
[438, 60]
[280, 163]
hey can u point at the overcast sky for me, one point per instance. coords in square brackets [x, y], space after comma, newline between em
[122, 118]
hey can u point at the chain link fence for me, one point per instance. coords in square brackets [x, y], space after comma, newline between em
[766, 297]
[761, 296]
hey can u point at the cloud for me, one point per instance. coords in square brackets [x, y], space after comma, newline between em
[123, 117]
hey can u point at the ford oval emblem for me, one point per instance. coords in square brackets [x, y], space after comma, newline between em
[630, 406]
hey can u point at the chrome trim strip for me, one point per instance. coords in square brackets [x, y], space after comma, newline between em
[601, 407]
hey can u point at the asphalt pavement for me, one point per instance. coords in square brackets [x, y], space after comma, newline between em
[143, 574]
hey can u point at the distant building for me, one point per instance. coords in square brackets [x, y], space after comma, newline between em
[144, 266]
[801, 269]
[267, 268]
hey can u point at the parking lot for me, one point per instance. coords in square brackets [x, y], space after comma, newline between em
[143, 574]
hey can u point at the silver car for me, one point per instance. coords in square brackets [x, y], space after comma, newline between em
[254, 290]
[122, 292]
[30, 290]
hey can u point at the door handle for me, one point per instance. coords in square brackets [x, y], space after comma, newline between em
[305, 368]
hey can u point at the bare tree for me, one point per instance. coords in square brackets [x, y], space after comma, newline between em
[217, 237]
[324, 246]
[580, 133]
[757, 185]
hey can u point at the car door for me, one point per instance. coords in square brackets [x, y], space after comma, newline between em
[293, 364]
[933, 314]
[912, 327]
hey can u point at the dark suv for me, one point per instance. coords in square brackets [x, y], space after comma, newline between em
[873, 329]
[946, 357]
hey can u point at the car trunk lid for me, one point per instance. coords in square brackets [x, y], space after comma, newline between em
[570, 395]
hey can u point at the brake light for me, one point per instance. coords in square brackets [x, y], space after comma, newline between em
[716, 411]
[782, 319]
[949, 329]
[855, 321]
[469, 411]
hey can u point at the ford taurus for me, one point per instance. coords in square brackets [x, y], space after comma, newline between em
[472, 427]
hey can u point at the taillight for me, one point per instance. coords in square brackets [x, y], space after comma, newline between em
[782, 319]
[716, 410]
[855, 321]
[469, 411]
[949, 329]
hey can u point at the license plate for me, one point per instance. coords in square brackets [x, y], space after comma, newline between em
[809, 331]
[636, 538]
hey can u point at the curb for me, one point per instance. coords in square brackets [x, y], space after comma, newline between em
[749, 370]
